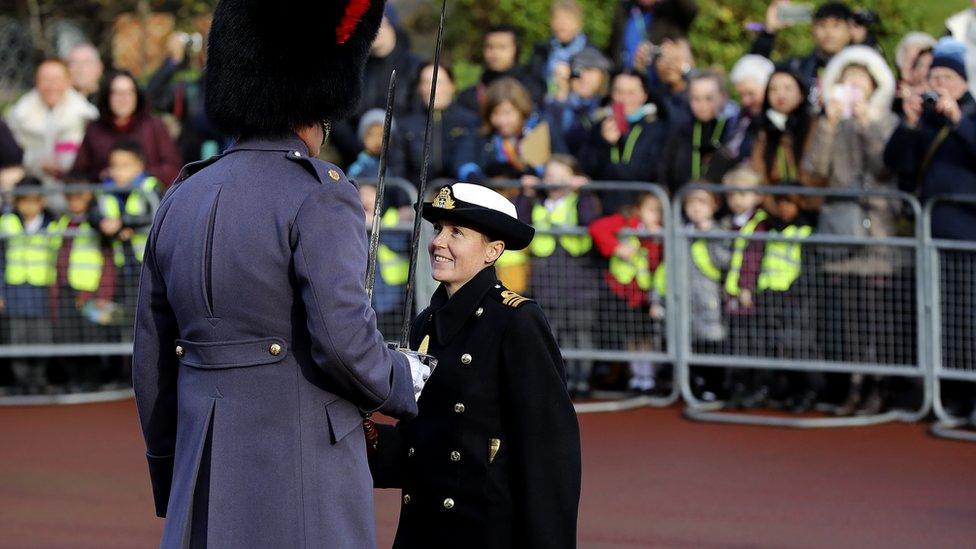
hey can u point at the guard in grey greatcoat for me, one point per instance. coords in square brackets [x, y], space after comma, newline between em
[255, 345]
[493, 458]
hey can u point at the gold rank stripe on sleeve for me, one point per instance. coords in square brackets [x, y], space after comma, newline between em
[512, 299]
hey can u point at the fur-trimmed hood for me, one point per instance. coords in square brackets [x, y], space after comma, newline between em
[880, 102]
[274, 66]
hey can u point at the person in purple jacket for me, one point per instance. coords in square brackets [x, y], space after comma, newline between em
[256, 350]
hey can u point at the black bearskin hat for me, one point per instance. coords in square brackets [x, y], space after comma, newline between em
[275, 66]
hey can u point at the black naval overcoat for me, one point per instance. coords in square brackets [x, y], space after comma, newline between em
[493, 458]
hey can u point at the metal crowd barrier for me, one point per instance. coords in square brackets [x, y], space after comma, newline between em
[837, 317]
[590, 323]
[68, 305]
[951, 272]
[912, 319]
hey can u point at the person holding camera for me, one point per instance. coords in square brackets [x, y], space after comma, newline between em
[933, 147]
[641, 26]
[932, 151]
[831, 32]
[846, 153]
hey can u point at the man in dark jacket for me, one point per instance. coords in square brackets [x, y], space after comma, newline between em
[455, 150]
[695, 150]
[933, 148]
[255, 344]
[831, 32]
[500, 57]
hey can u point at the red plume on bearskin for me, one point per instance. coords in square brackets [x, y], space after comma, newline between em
[273, 66]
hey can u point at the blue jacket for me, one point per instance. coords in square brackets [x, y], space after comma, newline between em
[256, 349]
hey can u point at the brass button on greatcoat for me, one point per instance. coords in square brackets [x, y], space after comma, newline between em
[411, 452]
[334, 175]
[455, 456]
[465, 358]
[480, 311]
[406, 499]
[275, 349]
[179, 351]
[449, 503]
[459, 408]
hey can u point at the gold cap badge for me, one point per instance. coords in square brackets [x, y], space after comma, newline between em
[444, 199]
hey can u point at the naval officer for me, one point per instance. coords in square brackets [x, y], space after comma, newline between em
[493, 458]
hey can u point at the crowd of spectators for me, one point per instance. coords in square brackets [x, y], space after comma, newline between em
[639, 110]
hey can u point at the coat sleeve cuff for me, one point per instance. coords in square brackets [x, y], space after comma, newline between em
[161, 476]
[401, 403]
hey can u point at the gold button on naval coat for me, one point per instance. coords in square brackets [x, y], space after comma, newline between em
[411, 452]
[406, 498]
[455, 456]
[480, 311]
[275, 349]
[179, 351]
[465, 358]
[334, 175]
[449, 503]
[459, 408]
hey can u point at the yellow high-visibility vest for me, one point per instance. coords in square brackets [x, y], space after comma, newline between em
[565, 214]
[135, 205]
[394, 268]
[739, 251]
[85, 261]
[703, 261]
[782, 261]
[637, 267]
[28, 258]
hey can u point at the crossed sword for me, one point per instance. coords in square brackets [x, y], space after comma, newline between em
[374, 240]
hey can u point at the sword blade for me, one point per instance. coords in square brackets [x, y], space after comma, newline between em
[422, 190]
[374, 235]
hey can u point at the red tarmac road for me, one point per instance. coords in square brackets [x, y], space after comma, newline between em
[75, 476]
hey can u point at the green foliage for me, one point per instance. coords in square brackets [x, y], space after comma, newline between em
[467, 19]
[719, 37]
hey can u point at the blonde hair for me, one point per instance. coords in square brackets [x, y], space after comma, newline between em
[744, 177]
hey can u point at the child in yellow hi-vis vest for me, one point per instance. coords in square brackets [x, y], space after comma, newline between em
[84, 288]
[709, 261]
[127, 207]
[747, 218]
[565, 275]
[629, 276]
[786, 291]
[27, 267]
[392, 258]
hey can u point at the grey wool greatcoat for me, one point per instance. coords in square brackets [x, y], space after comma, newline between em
[255, 349]
[492, 461]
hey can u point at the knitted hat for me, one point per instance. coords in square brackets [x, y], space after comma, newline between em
[590, 58]
[951, 54]
[372, 117]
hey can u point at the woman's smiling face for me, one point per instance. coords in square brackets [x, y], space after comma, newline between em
[458, 253]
